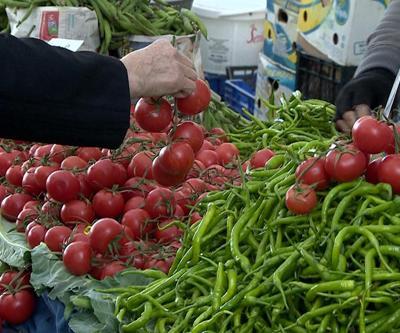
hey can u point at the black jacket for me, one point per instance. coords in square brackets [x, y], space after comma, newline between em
[49, 94]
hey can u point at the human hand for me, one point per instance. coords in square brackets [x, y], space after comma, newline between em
[159, 70]
[367, 91]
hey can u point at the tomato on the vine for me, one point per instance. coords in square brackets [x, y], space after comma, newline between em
[301, 199]
[153, 115]
[77, 258]
[18, 307]
[197, 101]
[63, 186]
[108, 204]
[102, 233]
[312, 172]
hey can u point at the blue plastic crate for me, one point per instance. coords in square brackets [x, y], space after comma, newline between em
[216, 82]
[238, 95]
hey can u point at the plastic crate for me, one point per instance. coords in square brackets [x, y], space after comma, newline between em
[321, 79]
[239, 94]
[246, 73]
[181, 3]
[216, 82]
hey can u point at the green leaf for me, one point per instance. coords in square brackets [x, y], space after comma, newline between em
[13, 248]
[93, 310]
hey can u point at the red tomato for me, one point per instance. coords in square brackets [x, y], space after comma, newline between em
[134, 203]
[207, 157]
[6, 160]
[73, 163]
[162, 265]
[312, 172]
[153, 115]
[43, 151]
[140, 165]
[18, 307]
[135, 187]
[77, 258]
[101, 174]
[166, 234]
[259, 158]
[177, 158]
[33, 204]
[51, 209]
[227, 152]
[195, 185]
[196, 102]
[42, 173]
[196, 171]
[138, 221]
[77, 211]
[14, 280]
[372, 174]
[14, 175]
[58, 153]
[26, 216]
[195, 217]
[391, 149]
[85, 189]
[160, 203]
[56, 237]
[102, 233]
[30, 184]
[4, 192]
[163, 176]
[219, 133]
[12, 205]
[35, 235]
[63, 186]
[345, 164]
[89, 153]
[111, 269]
[301, 199]
[108, 204]
[184, 198]
[189, 132]
[389, 171]
[120, 174]
[371, 136]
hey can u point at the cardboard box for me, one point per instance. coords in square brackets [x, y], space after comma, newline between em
[340, 28]
[280, 32]
[272, 78]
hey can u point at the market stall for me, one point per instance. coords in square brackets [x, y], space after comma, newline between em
[243, 211]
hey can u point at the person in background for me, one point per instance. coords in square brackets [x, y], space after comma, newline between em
[52, 95]
[372, 83]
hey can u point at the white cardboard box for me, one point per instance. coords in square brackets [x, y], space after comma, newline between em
[340, 28]
[272, 78]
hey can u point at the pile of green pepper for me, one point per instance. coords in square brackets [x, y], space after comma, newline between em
[251, 266]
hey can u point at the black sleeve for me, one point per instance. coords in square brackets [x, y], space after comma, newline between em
[49, 94]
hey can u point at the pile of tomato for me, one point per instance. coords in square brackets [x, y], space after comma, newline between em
[372, 153]
[103, 211]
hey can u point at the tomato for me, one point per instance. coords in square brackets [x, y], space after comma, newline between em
[134, 203]
[56, 236]
[162, 265]
[195, 185]
[207, 145]
[85, 189]
[226, 152]
[184, 198]
[301, 199]
[26, 216]
[14, 280]
[134, 187]
[197, 101]
[35, 235]
[33, 204]
[372, 173]
[197, 169]
[12, 205]
[140, 165]
[259, 158]
[101, 174]
[189, 132]
[77, 258]
[102, 233]
[30, 184]
[153, 115]
[63, 186]
[219, 133]
[166, 234]
[345, 164]
[163, 176]
[111, 269]
[370, 135]
[58, 153]
[77, 211]
[79, 237]
[120, 174]
[14, 175]
[108, 204]
[43, 151]
[73, 163]
[89, 153]
[6, 160]
[160, 203]
[138, 221]
[17, 308]
[42, 173]
[312, 172]
[177, 158]
[4, 192]
[195, 217]
[51, 209]
[160, 138]
[389, 171]
[207, 157]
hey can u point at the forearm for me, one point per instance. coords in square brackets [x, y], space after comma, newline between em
[52, 95]
[384, 44]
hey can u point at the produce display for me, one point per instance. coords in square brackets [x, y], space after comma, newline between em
[121, 19]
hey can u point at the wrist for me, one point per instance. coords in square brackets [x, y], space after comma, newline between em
[135, 83]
